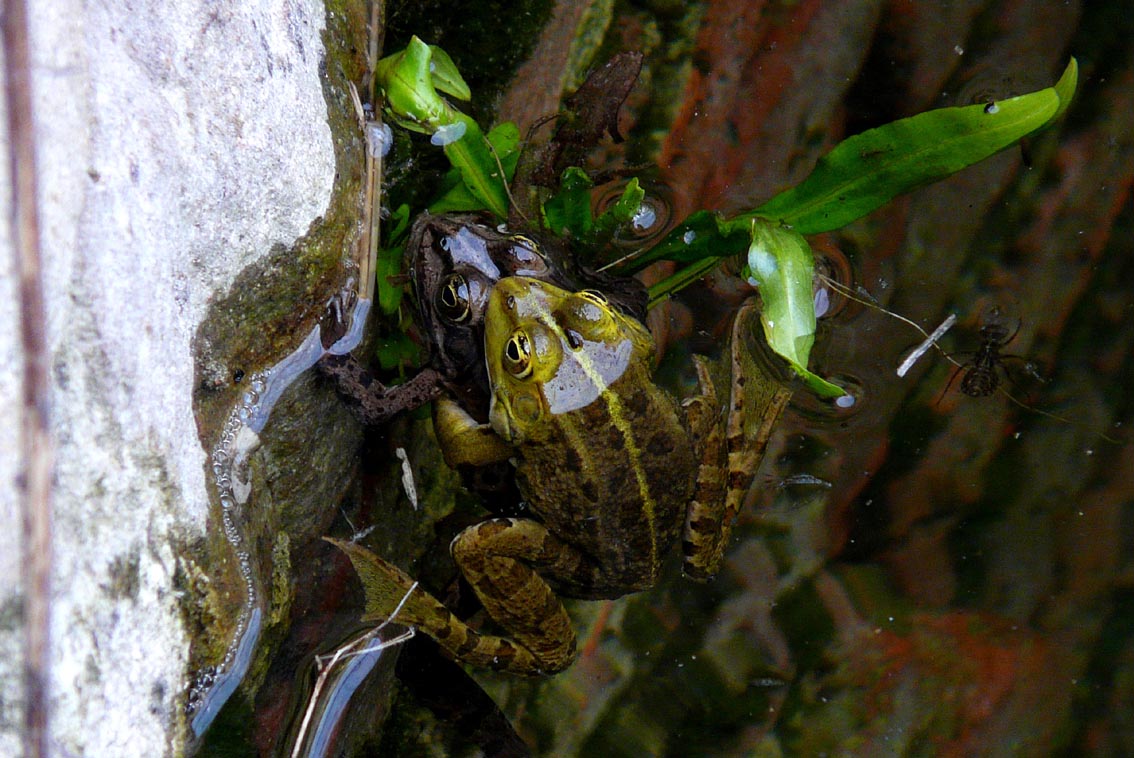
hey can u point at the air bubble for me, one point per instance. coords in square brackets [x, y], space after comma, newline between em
[448, 134]
[379, 139]
[822, 302]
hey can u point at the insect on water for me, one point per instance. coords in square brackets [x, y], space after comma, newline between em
[980, 375]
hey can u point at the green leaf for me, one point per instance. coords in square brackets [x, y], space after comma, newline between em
[397, 350]
[703, 234]
[781, 265]
[505, 141]
[622, 211]
[389, 263]
[680, 280]
[446, 77]
[568, 212]
[866, 171]
[408, 80]
[411, 98]
[861, 174]
[479, 169]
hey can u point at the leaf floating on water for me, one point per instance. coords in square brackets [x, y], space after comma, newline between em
[866, 171]
[781, 265]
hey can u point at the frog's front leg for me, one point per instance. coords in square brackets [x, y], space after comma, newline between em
[372, 402]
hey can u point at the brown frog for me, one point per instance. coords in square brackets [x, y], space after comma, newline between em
[453, 261]
[612, 467]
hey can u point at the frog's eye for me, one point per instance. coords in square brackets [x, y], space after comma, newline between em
[453, 299]
[518, 355]
[526, 242]
[594, 296]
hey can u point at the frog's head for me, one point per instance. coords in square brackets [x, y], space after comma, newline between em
[550, 351]
[454, 260]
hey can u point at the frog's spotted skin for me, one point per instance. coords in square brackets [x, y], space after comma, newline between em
[753, 408]
[610, 466]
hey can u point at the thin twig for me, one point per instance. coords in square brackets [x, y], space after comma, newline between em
[358, 646]
[36, 447]
[930, 341]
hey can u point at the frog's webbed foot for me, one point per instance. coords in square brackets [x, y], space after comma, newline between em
[494, 557]
[335, 321]
[387, 587]
[372, 402]
[731, 456]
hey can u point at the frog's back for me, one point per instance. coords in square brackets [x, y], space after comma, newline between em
[613, 479]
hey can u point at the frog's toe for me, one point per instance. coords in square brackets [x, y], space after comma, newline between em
[390, 594]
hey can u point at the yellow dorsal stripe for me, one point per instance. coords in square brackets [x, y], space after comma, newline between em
[618, 417]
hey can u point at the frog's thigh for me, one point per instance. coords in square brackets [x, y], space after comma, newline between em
[498, 557]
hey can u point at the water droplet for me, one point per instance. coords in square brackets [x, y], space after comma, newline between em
[644, 218]
[991, 108]
[688, 237]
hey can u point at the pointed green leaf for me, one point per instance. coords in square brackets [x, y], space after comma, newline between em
[407, 78]
[703, 234]
[505, 141]
[568, 212]
[446, 77]
[411, 100]
[389, 264]
[623, 210]
[867, 170]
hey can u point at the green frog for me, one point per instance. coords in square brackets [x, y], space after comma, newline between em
[612, 467]
[453, 260]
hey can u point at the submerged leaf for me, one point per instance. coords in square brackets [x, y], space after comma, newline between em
[568, 212]
[389, 263]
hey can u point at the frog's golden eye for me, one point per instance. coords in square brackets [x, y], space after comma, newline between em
[594, 296]
[518, 355]
[452, 299]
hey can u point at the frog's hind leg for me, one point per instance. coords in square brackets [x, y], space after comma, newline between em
[756, 401]
[500, 558]
[701, 543]
[389, 589]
